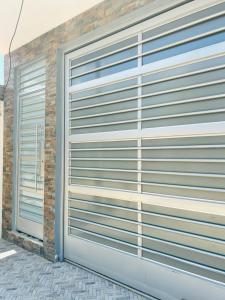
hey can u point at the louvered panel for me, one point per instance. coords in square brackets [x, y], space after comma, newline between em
[114, 108]
[112, 59]
[180, 238]
[189, 167]
[200, 16]
[95, 217]
[175, 236]
[108, 164]
[182, 36]
[106, 206]
[185, 253]
[96, 238]
[200, 233]
[113, 222]
[185, 98]
[146, 143]
[183, 265]
[182, 224]
[31, 144]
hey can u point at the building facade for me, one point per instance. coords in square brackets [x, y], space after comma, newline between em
[114, 145]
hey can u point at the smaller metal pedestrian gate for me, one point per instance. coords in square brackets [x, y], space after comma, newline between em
[30, 148]
[145, 154]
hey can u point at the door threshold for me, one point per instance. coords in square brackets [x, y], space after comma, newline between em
[112, 280]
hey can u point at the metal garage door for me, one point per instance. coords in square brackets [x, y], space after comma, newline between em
[145, 154]
[30, 149]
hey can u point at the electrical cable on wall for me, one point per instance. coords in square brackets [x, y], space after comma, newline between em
[10, 45]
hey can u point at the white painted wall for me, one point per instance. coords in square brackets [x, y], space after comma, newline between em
[1, 161]
[37, 18]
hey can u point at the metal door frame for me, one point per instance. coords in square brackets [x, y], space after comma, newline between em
[17, 222]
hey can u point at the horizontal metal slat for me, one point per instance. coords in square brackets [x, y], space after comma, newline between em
[104, 215]
[107, 241]
[187, 239]
[184, 187]
[152, 172]
[185, 160]
[105, 66]
[152, 148]
[184, 41]
[105, 231]
[104, 114]
[105, 149]
[104, 104]
[104, 124]
[103, 179]
[42, 109]
[113, 91]
[105, 159]
[104, 226]
[106, 170]
[30, 216]
[194, 86]
[190, 266]
[186, 253]
[179, 102]
[129, 42]
[32, 197]
[185, 174]
[184, 224]
[185, 22]
[103, 205]
[31, 69]
[155, 159]
[182, 75]
[42, 89]
[31, 105]
[33, 78]
[33, 206]
[115, 235]
[196, 113]
[42, 82]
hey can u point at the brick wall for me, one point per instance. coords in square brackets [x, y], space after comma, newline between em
[46, 45]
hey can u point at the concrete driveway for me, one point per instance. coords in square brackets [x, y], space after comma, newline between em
[24, 275]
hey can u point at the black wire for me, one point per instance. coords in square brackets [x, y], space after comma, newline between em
[10, 45]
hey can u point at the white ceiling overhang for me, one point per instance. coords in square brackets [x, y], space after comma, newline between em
[37, 18]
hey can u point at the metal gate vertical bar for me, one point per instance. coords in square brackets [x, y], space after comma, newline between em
[139, 144]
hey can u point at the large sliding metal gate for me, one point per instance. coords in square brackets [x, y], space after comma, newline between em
[145, 154]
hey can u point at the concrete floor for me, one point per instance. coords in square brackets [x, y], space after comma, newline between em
[24, 275]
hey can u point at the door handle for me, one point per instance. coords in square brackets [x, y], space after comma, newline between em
[36, 154]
